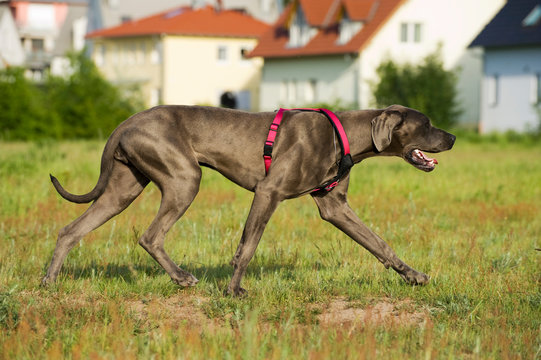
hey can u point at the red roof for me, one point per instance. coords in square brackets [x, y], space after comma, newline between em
[205, 21]
[325, 15]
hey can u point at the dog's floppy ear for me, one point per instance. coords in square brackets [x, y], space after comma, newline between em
[383, 126]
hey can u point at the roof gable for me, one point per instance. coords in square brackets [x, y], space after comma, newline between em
[205, 21]
[360, 10]
[515, 25]
[316, 11]
[324, 16]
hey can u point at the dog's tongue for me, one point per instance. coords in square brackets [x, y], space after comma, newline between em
[426, 158]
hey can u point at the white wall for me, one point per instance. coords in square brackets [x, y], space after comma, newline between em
[332, 78]
[11, 50]
[513, 108]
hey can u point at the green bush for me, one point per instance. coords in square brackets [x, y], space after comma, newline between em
[81, 105]
[336, 105]
[427, 87]
[22, 114]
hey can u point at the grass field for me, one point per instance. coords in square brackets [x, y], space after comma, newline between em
[473, 225]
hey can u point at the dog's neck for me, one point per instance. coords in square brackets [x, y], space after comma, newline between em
[355, 123]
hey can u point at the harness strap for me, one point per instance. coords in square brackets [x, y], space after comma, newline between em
[267, 149]
[346, 162]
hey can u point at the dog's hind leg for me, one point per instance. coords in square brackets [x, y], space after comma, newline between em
[125, 184]
[177, 195]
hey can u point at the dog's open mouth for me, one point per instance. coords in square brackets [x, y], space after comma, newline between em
[418, 159]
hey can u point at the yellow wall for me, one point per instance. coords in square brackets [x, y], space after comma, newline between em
[132, 61]
[195, 75]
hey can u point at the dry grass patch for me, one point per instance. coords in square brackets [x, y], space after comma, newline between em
[348, 314]
[172, 312]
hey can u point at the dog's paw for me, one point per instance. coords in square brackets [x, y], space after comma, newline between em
[185, 280]
[46, 281]
[239, 292]
[413, 277]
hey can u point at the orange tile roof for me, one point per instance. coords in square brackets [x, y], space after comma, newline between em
[205, 21]
[324, 16]
[316, 11]
[360, 10]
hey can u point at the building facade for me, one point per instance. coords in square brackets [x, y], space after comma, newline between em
[511, 83]
[185, 56]
[329, 50]
[11, 50]
[47, 30]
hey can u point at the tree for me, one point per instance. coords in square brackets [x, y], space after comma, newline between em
[88, 105]
[427, 87]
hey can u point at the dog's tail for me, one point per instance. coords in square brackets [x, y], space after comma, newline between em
[105, 173]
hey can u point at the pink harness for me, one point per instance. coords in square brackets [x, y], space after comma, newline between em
[346, 161]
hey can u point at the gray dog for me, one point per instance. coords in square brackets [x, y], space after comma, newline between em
[169, 144]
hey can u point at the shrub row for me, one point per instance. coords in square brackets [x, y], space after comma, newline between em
[80, 105]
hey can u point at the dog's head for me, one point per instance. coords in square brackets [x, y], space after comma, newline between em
[408, 133]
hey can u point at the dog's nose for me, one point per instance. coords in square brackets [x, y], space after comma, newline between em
[452, 139]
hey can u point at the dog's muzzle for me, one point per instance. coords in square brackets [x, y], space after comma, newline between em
[422, 162]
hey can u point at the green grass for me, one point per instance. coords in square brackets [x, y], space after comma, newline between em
[472, 225]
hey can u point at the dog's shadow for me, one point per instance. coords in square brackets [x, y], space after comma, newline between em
[130, 272]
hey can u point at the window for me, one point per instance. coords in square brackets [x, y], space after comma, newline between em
[347, 29]
[289, 93]
[404, 32]
[283, 93]
[411, 32]
[535, 89]
[492, 90]
[100, 54]
[41, 16]
[310, 91]
[244, 51]
[141, 53]
[155, 97]
[244, 100]
[156, 53]
[299, 30]
[131, 53]
[222, 54]
[37, 45]
[115, 54]
[292, 92]
[533, 18]
[417, 33]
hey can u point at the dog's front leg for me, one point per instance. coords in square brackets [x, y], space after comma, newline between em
[334, 208]
[263, 206]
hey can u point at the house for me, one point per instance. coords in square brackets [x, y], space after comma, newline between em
[328, 50]
[511, 85]
[185, 56]
[109, 13]
[11, 50]
[115, 12]
[47, 29]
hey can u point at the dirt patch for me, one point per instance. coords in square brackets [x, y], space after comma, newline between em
[183, 309]
[173, 311]
[341, 312]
